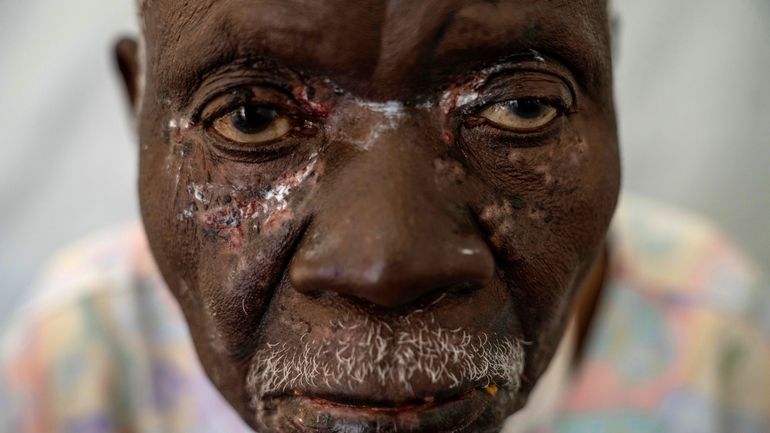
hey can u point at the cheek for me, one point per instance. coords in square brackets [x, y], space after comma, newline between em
[222, 229]
[557, 197]
[546, 213]
[449, 173]
[233, 213]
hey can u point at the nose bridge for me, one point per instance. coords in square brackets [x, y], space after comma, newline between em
[387, 188]
[385, 201]
[376, 124]
[392, 177]
[385, 233]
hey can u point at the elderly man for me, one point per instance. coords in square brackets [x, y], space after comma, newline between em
[386, 216]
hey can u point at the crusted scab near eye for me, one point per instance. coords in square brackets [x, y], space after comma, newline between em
[230, 212]
[175, 129]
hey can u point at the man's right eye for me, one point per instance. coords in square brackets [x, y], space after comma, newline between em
[252, 125]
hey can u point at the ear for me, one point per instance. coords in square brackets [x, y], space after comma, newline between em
[126, 54]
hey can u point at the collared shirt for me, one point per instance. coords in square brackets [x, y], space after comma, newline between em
[680, 343]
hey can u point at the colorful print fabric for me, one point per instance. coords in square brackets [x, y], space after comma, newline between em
[681, 344]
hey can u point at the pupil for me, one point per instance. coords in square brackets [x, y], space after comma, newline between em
[527, 108]
[252, 119]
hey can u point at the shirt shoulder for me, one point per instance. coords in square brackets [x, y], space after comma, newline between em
[102, 346]
[682, 339]
[680, 257]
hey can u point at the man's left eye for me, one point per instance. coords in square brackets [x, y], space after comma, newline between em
[252, 125]
[521, 115]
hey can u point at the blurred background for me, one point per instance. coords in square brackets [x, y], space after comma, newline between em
[692, 91]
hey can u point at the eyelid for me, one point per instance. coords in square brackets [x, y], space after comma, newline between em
[224, 103]
[520, 84]
[221, 105]
[240, 76]
[528, 84]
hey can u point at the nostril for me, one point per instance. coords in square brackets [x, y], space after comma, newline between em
[310, 276]
[392, 258]
[394, 277]
[393, 307]
[384, 285]
[439, 294]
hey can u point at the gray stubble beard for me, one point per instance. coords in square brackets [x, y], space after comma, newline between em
[372, 352]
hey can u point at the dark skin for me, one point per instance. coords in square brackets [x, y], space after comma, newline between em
[305, 164]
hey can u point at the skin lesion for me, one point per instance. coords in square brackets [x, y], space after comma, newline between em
[230, 213]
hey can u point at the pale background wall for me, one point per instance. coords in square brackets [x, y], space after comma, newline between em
[693, 94]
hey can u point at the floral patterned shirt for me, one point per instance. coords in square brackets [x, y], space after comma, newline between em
[681, 343]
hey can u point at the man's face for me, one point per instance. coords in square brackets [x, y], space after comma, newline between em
[375, 214]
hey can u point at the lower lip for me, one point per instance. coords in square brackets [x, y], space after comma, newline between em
[305, 414]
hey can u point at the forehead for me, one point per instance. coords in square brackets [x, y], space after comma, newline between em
[372, 44]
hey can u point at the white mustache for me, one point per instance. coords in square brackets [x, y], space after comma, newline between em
[371, 352]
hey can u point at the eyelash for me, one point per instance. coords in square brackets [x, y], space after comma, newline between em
[239, 96]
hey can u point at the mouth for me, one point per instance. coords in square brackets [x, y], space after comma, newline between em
[335, 414]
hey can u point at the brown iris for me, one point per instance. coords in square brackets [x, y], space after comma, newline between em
[521, 115]
[252, 124]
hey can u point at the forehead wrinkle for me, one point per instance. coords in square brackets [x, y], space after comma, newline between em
[412, 38]
[410, 32]
[286, 31]
[574, 32]
[426, 43]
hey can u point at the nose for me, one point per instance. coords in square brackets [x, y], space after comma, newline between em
[387, 234]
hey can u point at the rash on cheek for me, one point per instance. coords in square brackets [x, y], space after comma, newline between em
[537, 189]
[449, 171]
[500, 218]
[545, 171]
[231, 213]
[555, 168]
